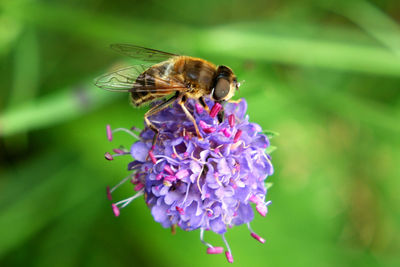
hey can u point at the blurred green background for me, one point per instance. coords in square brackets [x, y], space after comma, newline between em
[324, 74]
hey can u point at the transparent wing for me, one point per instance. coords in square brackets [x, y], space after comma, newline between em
[125, 80]
[142, 53]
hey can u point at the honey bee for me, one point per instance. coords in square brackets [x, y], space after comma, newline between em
[183, 77]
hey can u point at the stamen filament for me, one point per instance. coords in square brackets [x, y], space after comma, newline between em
[125, 202]
[228, 253]
[120, 183]
[127, 131]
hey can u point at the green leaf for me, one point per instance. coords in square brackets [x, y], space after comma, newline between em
[270, 134]
[268, 185]
[270, 149]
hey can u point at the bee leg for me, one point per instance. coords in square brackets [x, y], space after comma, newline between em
[190, 116]
[221, 116]
[155, 110]
[203, 104]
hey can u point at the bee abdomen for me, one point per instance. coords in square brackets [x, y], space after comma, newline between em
[147, 84]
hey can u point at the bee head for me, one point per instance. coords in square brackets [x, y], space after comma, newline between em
[225, 84]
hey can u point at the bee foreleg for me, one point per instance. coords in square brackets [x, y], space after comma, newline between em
[203, 104]
[155, 110]
[190, 117]
[221, 116]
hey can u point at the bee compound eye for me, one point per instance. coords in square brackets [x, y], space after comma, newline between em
[221, 89]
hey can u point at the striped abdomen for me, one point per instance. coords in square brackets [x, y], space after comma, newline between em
[148, 82]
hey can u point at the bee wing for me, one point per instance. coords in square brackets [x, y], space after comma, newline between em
[124, 80]
[142, 53]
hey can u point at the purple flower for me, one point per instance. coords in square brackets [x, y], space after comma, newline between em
[206, 184]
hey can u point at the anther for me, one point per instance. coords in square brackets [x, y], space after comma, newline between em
[206, 128]
[180, 210]
[168, 169]
[138, 187]
[151, 155]
[262, 209]
[108, 156]
[229, 256]
[170, 178]
[237, 136]
[231, 119]
[215, 109]
[109, 132]
[257, 237]
[226, 132]
[115, 210]
[215, 250]
[199, 108]
[109, 193]
[118, 151]
[255, 199]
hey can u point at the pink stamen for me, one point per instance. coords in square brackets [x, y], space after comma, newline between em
[215, 250]
[115, 210]
[237, 135]
[229, 256]
[170, 178]
[109, 132]
[108, 156]
[109, 193]
[255, 199]
[258, 238]
[215, 109]
[180, 210]
[209, 130]
[138, 187]
[206, 128]
[168, 169]
[231, 119]
[118, 151]
[203, 125]
[153, 159]
[182, 174]
[199, 108]
[262, 209]
[226, 132]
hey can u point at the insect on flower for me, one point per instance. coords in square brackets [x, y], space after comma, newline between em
[183, 77]
[210, 165]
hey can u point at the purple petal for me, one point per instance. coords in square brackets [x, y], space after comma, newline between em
[218, 226]
[139, 151]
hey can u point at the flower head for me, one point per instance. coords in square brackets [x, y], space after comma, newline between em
[204, 183]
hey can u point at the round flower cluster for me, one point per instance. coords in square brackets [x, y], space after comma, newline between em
[206, 182]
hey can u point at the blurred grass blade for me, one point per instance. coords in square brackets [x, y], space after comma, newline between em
[243, 43]
[59, 107]
[373, 21]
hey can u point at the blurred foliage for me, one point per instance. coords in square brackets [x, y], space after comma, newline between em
[324, 74]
